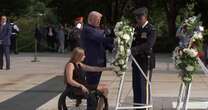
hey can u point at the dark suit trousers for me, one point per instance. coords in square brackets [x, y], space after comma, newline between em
[141, 89]
[1, 56]
[5, 51]
[93, 78]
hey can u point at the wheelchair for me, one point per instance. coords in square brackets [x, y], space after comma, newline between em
[74, 94]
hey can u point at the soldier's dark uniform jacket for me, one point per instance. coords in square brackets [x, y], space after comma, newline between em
[142, 47]
[143, 43]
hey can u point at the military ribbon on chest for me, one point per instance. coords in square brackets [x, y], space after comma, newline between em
[144, 35]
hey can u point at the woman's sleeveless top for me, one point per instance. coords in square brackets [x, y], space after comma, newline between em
[78, 75]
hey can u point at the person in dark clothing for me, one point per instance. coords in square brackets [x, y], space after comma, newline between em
[76, 33]
[94, 42]
[206, 50]
[75, 76]
[67, 32]
[75, 38]
[61, 39]
[38, 37]
[51, 38]
[142, 50]
[15, 31]
[5, 42]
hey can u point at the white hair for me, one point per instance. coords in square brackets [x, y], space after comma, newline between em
[93, 15]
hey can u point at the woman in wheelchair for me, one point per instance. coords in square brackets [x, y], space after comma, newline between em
[76, 81]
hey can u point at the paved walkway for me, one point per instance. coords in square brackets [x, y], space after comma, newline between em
[31, 86]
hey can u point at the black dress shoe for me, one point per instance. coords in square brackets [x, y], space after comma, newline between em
[8, 68]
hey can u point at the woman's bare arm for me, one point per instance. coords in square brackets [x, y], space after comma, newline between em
[69, 75]
[94, 68]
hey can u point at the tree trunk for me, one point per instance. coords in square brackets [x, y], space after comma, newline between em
[171, 13]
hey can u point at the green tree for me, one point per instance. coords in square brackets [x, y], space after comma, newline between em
[14, 7]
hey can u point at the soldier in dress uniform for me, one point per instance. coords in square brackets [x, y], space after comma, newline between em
[142, 50]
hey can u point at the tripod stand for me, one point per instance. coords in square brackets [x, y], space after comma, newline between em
[148, 103]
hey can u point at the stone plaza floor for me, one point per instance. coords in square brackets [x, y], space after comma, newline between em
[37, 86]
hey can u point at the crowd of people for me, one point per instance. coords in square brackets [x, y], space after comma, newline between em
[59, 38]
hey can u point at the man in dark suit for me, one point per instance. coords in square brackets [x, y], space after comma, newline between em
[94, 42]
[5, 42]
[142, 50]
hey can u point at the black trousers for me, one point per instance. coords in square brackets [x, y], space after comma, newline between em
[141, 89]
[5, 51]
[14, 44]
[1, 56]
[51, 43]
[92, 79]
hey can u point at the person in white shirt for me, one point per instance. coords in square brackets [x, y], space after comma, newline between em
[15, 31]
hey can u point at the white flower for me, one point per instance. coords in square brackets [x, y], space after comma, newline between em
[124, 66]
[121, 62]
[191, 52]
[118, 40]
[126, 37]
[131, 29]
[192, 19]
[120, 33]
[197, 35]
[201, 28]
[118, 25]
[121, 49]
[132, 33]
[189, 68]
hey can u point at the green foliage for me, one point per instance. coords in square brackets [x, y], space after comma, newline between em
[14, 7]
[38, 13]
[64, 11]
[26, 36]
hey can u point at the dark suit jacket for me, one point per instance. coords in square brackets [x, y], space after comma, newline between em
[5, 34]
[94, 42]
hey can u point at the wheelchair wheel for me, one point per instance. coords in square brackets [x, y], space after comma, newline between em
[62, 101]
[95, 95]
[73, 98]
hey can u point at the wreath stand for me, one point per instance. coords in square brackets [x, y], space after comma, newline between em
[183, 97]
[148, 104]
[185, 91]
